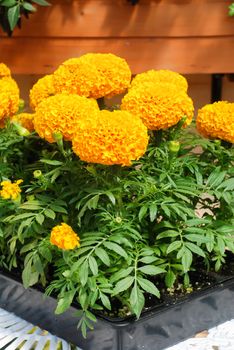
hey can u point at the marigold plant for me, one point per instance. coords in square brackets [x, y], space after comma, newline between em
[160, 106]
[10, 190]
[216, 121]
[64, 237]
[9, 98]
[59, 114]
[110, 138]
[161, 76]
[41, 90]
[93, 75]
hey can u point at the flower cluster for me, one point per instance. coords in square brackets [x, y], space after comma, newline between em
[43, 88]
[9, 98]
[217, 121]
[161, 76]
[160, 106]
[10, 190]
[64, 237]
[25, 120]
[4, 71]
[59, 114]
[93, 75]
[110, 138]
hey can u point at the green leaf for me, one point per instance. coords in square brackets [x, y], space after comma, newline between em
[197, 238]
[142, 212]
[28, 276]
[231, 10]
[93, 265]
[51, 162]
[123, 285]
[37, 264]
[84, 273]
[105, 300]
[216, 178]
[167, 233]
[50, 213]
[45, 253]
[151, 270]
[170, 279]
[195, 249]
[40, 218]
[102, 255]
[29, 7]
[174, 246]
[116, 248]
[111, 197]
[137, 300]
[148, 286]
[121, 274]
[153, 211]
[65, 302]
[41, 2]
[58, 208]
[22, 216]
[228, 185]
[148, 259]
[13, 15]
[8, 3]
[187, 259]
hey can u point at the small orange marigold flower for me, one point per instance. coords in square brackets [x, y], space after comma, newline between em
[43, 89]
[93, 75]
[64, 237]
[110, 138]
[159, 106]
[217, 121]
[10, 190]
[4, 71]
[58, 115]
[9, 98]
[161, 76]
[25, 120]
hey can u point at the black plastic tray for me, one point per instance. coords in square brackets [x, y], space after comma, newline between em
[155, 330]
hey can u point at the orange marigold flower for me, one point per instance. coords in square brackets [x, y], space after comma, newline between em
[58, 115]
[43, 89]
[10, 190]
[161, 76]
[93, 75]
[9, 98]
[217, 121]
[4, 71]
[110, 138]
[160, 106]
[64, 237]
[25, 120]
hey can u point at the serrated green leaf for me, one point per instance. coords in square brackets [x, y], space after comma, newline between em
[123, 285]
[153, 211]
[93, 265]
[102, 255]
[148, 259]
[142, 212]
[40, 218]
[195, 249]
[116, 248]
[50, 213]
[151, 270]
[187, 259]
[170, 278]
[105, 300]
[121, 274]
[148, 286]
[174, 246]
[84, 272]
[65, 302]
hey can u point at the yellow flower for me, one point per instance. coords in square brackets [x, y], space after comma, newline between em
[161, 76]
[25, 120]
[9, 98]
[93, 75]
[110, 138]
[217, 121]
[59, 114]
[64, 237]
[4, 71]
[160, 106]
[43, 88]
[10, 190]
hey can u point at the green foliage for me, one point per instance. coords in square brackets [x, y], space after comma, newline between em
[140, 227]
[11, 12]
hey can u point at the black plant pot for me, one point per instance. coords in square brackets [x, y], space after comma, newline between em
[155, 330]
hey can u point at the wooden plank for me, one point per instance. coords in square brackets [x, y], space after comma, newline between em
[185, 55]
[151, 18]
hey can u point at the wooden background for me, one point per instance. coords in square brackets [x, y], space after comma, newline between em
[189, 36]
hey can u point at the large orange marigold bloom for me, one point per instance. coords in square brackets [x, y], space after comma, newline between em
[110, 138]
[216, 121]
[4, 71]
[64, 237]
[9, 98]
[161, 76]
[24, 119]
[10, 190]
[93, 75]
[160, 106]
[43, 88]
[59, 114]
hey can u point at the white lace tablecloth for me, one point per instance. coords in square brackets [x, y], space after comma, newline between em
[16, 333]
